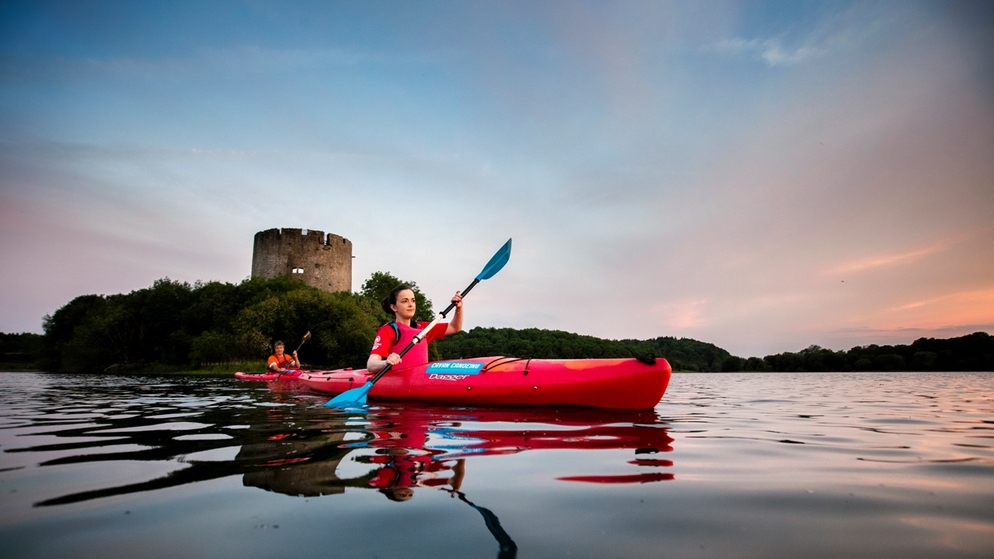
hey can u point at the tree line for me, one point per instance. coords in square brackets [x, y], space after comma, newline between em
[181, 326]
[973, 352]
[683, 354]
[20, 352]
[176, 325]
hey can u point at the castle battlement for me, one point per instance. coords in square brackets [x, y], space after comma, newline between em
[319, 260]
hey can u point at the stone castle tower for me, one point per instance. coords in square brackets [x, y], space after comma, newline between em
[320, 261]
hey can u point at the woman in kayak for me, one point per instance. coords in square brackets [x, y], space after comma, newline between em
[394, 336]
[280, 362]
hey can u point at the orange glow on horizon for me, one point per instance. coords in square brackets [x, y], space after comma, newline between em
[951, 310]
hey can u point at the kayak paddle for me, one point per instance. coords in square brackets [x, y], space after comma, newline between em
[357, 396]
[306, 337]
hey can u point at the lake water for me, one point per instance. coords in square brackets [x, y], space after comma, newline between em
[871, 465]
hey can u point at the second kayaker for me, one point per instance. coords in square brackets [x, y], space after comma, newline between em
[279, 362]
[394, 336]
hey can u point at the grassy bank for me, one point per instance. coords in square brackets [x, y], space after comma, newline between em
[221, 369]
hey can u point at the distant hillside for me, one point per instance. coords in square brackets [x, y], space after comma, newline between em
[20, 352]
[974, 352]
[683, 354]
[686, 354]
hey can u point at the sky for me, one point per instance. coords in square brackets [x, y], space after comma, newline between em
[764, 176]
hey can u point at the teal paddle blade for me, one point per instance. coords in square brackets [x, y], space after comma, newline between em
[497, 262]
[351, 398]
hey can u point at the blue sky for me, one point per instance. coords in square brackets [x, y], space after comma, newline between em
[760, 175]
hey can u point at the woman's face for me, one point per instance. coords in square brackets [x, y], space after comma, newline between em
[405, 307]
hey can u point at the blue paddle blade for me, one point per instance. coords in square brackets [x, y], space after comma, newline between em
[351, 398]
[497, 262]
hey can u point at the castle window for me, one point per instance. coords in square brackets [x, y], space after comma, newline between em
[297, 271]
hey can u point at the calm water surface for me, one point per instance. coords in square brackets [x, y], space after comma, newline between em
[727, 465]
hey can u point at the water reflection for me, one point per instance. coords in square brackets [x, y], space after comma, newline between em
[507, 548]
[423, 447]
[849, 465]
[426, 447]
[287, 443]
[195, 430]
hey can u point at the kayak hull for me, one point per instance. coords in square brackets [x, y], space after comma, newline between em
[604, 383]
[289, 375]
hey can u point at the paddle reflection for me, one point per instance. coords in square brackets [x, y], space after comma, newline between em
[508, 549]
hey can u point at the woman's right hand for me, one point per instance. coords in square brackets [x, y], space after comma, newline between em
[393, 359]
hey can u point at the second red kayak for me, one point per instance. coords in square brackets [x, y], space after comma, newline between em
[290, 374]
[603, 383]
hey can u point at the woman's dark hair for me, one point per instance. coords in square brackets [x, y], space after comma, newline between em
[391, 299]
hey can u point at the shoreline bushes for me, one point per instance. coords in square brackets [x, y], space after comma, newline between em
[175, 325]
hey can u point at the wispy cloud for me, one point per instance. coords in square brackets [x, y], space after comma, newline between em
[903, 258]
[771, 51]
[888, 260]
[839, 32]
[961, 312]
[975, 301]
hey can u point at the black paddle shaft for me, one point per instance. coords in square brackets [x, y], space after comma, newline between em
[461, 294]
[389, 366]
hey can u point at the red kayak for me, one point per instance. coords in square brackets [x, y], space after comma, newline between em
[290, 374]
[603, 383]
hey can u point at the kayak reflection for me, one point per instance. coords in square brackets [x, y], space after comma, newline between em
[425, 447]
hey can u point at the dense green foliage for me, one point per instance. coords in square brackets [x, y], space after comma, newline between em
[974, 352]
[530, 342]
[176, 324]
[20, 351]
[379, 285]
[180, 325]
[683, 354]
[183, 326]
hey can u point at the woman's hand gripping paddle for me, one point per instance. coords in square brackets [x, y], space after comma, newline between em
[357, 396]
